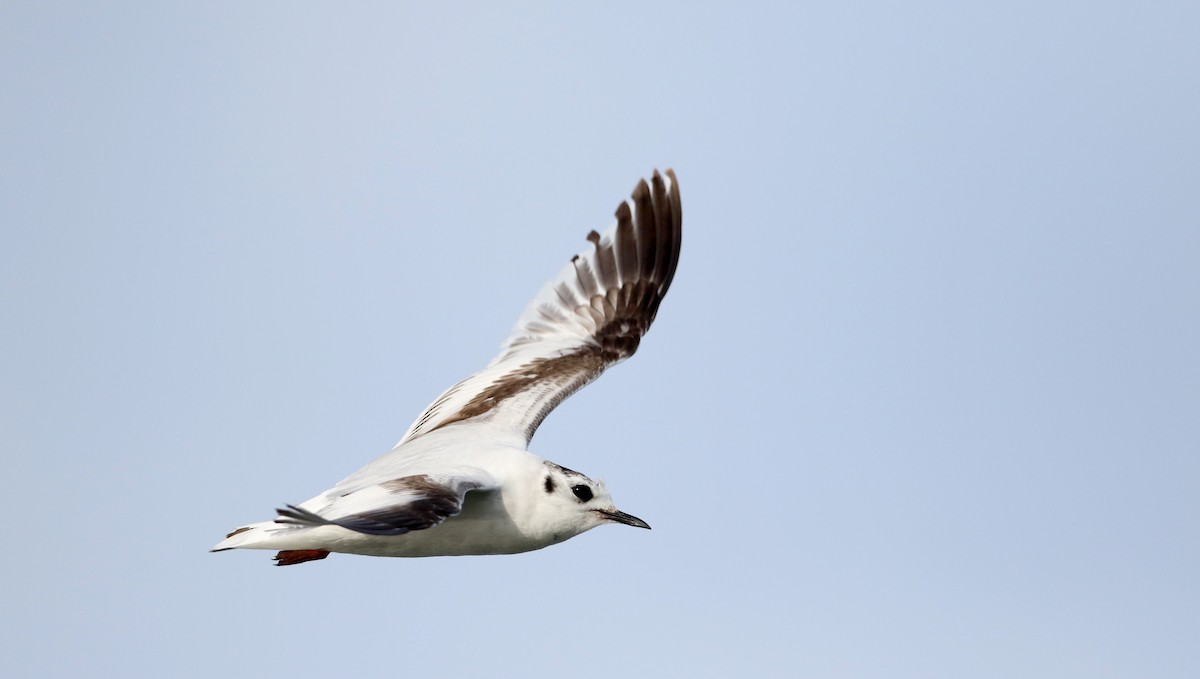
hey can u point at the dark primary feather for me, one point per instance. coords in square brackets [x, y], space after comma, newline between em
[610, 294]
[429, 504]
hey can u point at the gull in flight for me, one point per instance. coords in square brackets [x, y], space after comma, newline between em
[462, 481]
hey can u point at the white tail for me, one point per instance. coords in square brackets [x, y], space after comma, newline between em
[250, 537]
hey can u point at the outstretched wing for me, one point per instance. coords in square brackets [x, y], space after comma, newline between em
[393, 507]
[590, 317]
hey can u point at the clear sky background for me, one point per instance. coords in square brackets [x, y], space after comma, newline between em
[924, 399]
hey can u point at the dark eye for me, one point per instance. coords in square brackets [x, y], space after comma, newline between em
[582, 492]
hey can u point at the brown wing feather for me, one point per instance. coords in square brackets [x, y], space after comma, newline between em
[590, 317]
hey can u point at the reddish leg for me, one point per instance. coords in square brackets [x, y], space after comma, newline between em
[290, 557]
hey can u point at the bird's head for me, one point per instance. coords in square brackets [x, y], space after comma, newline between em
[577, 503]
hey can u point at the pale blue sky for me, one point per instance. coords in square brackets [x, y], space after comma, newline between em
[923, 400]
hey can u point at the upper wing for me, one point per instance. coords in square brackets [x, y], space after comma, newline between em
[393, 507]
[591, 316]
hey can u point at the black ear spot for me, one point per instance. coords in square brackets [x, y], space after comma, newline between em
[582, 492]
[549, 484]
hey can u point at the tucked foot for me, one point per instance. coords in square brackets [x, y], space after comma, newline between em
[290, 557]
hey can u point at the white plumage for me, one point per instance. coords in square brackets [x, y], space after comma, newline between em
[461, 481]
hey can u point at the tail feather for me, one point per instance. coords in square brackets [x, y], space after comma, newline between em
[248, 536]
[296, 532]
[292, 530]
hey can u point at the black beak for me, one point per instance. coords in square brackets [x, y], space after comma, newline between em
[622, 517]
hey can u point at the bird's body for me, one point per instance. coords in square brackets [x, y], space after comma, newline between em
[506, 519]
[462, 481]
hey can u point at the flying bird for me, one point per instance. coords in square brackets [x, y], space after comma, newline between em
[462, 480]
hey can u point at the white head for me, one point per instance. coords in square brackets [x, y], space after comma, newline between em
[571, 503]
